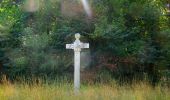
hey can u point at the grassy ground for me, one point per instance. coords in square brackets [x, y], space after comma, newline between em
[59, 91]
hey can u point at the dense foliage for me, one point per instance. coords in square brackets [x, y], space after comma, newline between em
[129, 39]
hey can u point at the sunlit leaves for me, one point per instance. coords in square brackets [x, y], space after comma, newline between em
[35, 41]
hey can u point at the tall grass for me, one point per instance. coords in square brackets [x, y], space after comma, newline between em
[64, 91]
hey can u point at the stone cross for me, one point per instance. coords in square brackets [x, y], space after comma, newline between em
[77, 46]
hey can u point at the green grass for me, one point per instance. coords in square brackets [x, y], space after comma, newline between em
[64, 91]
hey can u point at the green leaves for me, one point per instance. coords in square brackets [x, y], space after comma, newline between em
[35, 41]
[119, 28]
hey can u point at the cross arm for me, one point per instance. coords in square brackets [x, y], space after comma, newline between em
[85, 45]
[69, 46]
